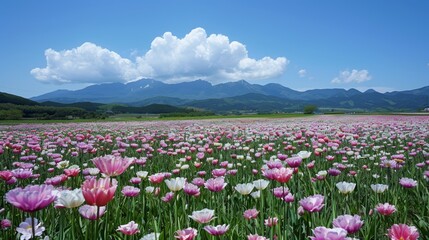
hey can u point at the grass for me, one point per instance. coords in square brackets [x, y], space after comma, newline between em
[137, 118]
[154, 117]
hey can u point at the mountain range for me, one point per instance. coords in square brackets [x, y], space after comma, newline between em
[240, 96]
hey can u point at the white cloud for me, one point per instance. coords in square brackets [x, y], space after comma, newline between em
[356, 76]
[302, 73]
[211, 57]
[170, 59]
[87, 63]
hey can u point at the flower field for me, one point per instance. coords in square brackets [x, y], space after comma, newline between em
[324, 177]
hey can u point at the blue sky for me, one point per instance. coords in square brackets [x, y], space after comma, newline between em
[50, 45]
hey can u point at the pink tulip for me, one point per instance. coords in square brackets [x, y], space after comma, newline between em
[385, 209]
[408, 182]
[403, 232]
[130, 228]
[271, 221]
[294, 162]
[203, 216]
[99, 192]
[92, 212]
[130, 191]
[215, 184]
[186, 234]
[31, 198]
[112, 165]
[283, 175]
[217, 230]
[313, 203]
[350, 223]
[251, 214]
[323, 233]
[256, 237]
[191, 189]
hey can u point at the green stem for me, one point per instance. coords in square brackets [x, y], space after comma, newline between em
[96, 223]
[261, 211]
[33, 227]
[61, 225]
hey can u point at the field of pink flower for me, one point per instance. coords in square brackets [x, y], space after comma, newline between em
[352, 177]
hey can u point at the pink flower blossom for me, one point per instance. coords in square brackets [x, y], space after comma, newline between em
[135, 180]
[217, 230]
[130, 191]
[130, 228]
[198, 181]
[72, 171]
[251, 214]
[294, 162]
[31, 198]
[323, 233]
[168, 197]
[408, 182]
[289, 198]
[5, 224]
[191, 189]
[156, 178]
[271, 221]
[112, 165]
[215, 184]
[350, 223]
[256, 237]
[219, 172]
[90, 212]
[203, 216]
[22, 173]
[385, 209]
[6, 175]
[283, 175]
[313, 203]
[99, 192]
[186, 234]
[403, 232]
[280, 192]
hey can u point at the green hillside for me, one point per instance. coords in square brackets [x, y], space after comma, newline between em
[14, 99]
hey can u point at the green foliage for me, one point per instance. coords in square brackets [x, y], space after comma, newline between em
[309, 109]
[248, 103]
[88, 106]
[46, 112]
[152, 108]
[10, 98]
[187, 114]
[10, 114]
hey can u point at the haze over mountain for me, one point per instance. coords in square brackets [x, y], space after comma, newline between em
[195, 90]
[240, 96]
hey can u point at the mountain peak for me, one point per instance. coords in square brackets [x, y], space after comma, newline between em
[371, 91]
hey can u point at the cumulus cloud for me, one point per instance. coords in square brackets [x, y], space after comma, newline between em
[170, 58]
[356, 76]
[87, 63]
[302, 73]
[207, 57]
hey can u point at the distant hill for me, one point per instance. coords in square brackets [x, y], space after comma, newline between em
[160, 100]
[148, 88]
[89, 106]
[152, 108]
[13, 107]
[236, 96]
[251, 102]
[14, 99]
